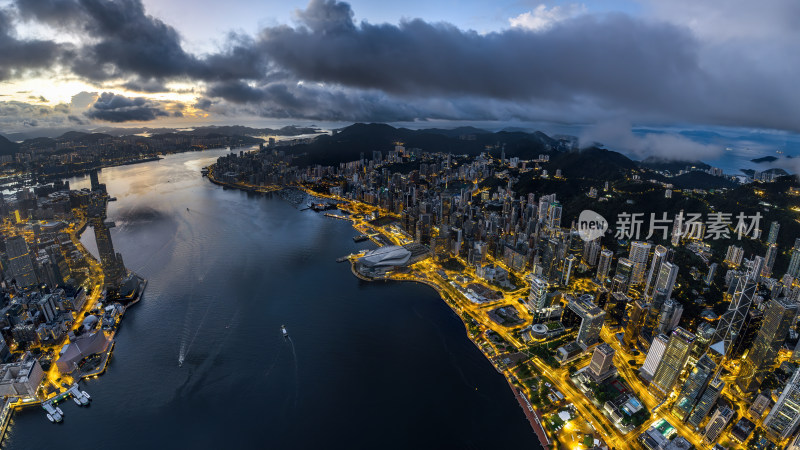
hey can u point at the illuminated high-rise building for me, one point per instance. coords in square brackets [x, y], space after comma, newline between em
[638, 255]
[537, 298]
[783, 418]
[665, 282]
[677, 229]
[734, 255]
[778, 317]
[675, 356]
[635, 321]
[554, 215]
[693, 388]
[654, 356]
[592, 318]
[602, 365]
[110, 261]
[772, 237]
[604, 265]
[659, 256]
[747, 334]
[550, 260]
[625, 269]
[591, 252]
[707, 401]
[667, 274]
[20, 264]
[670, 316]
[569, 263]
[769, 260]
[794, 263]
[730, 324]
[722, 416]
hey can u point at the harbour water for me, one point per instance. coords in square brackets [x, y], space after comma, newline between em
[201, 361]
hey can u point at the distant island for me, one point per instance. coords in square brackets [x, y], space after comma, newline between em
[764, 159]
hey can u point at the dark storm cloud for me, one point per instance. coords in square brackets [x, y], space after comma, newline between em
[611, 57]
[614, 64]
[18, 56]
[117, 108]
[337, 103]
[127, 42]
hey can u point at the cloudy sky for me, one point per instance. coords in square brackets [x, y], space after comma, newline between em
[605, 66]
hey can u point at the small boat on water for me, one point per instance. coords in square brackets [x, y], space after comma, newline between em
[50, 418]
[283, 330]
[86, 394]
[59, 411]
[77, 402]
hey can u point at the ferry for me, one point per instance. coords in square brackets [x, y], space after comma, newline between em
[283, 330]
[360, 238]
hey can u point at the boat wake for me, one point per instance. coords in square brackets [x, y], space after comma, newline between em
[182, 355]
[296, 372]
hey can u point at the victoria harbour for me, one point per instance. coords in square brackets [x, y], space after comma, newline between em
[200, 361]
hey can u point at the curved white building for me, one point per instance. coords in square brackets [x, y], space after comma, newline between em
[389, 256]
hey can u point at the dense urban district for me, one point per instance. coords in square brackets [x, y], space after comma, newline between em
[629, 304]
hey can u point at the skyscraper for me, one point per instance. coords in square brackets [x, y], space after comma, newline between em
[20, 263]
[550, 260]
[730, 324]
[677, 229]
[602, 364]
[624, 272]
[717, 424]
[712, 270]
[537, 298]
[638, 254]
[747, 334]
[569, 262]
[659, 256]
[734, 255]
[110, 261]
[794, 262]
[769, 260]
[778, 317]
[671, 365]
[664, 284]
[667, 274]
[693, 388]
[554, 215]
[707, 401]
[783, 418]
[592, 318]
[670, 316]
[654, 356]
[604, 265]
[772, 238]
[635, 321]
[591, 251]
